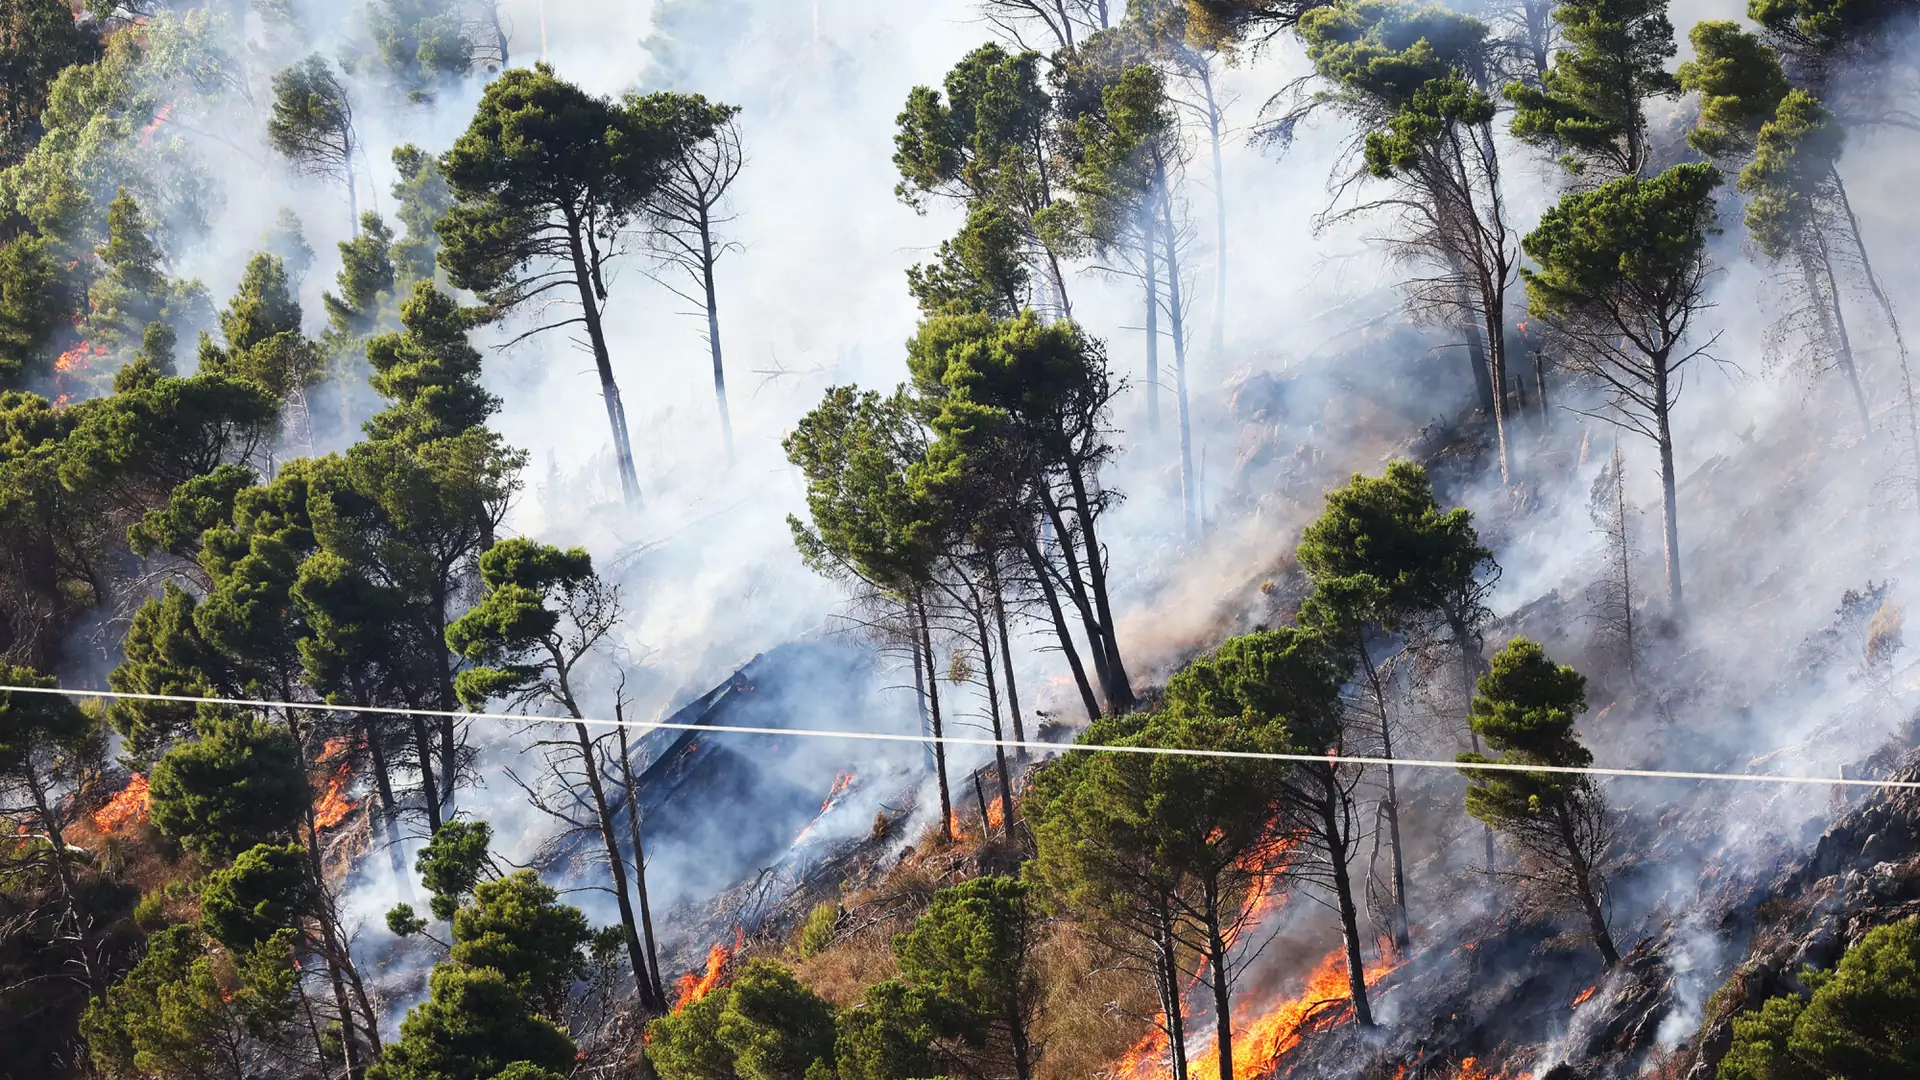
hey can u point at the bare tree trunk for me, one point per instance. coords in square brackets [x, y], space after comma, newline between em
[993, 711]
[1217, 345]
[1169, 973]
[1222, 992]
[1176, 319]
[1583, 883]
[1120, 690]
[1077, 590]
[1337, 842]
[1835, 319]
[639, 864]
[707, 259]
[933, 702]
[590, 764]
[1670, 507]
[1402, 935]
[1052, 596]
[1893, 324]
[1006, 660]
[1152, 281]
[603, 362]
[69, 892]
[423, 749]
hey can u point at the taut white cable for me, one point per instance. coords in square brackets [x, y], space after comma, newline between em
[951, 740]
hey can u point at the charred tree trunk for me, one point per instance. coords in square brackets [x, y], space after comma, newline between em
[1477, 361]
[383, 786]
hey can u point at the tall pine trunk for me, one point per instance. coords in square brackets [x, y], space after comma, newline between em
[933, 703]
[707, 258]
[640, 866]
[1043, 573]
[1337, 842]
[1151, 280]
[1669, 503]
[1176, 321]
[636, 953]
[603, 363]
[1222, 990]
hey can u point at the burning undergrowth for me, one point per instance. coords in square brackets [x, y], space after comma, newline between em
[734, 824]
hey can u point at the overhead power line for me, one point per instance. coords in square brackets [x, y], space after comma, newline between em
[952, 740]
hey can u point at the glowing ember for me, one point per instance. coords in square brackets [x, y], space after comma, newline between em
[1584, 995]
[129, 806]
[333, 806]
[691, 987]
[842, 784]
[1323, 1004]
[1471, 1069]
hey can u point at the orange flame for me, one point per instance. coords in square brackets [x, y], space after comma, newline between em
[333, 806]
[80, 357]
[1323, 1004]
[159, 120]
[1149, 1056]
[125, 808]
[692, 987]
[842, 784]
[1584, 995]
[1471, 1069]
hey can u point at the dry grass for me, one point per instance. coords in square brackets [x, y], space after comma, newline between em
[1092, 1009]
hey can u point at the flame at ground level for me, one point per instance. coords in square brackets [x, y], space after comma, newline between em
[693, 986]
[1584, 995]
[125, 808]
[1323, 1004]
